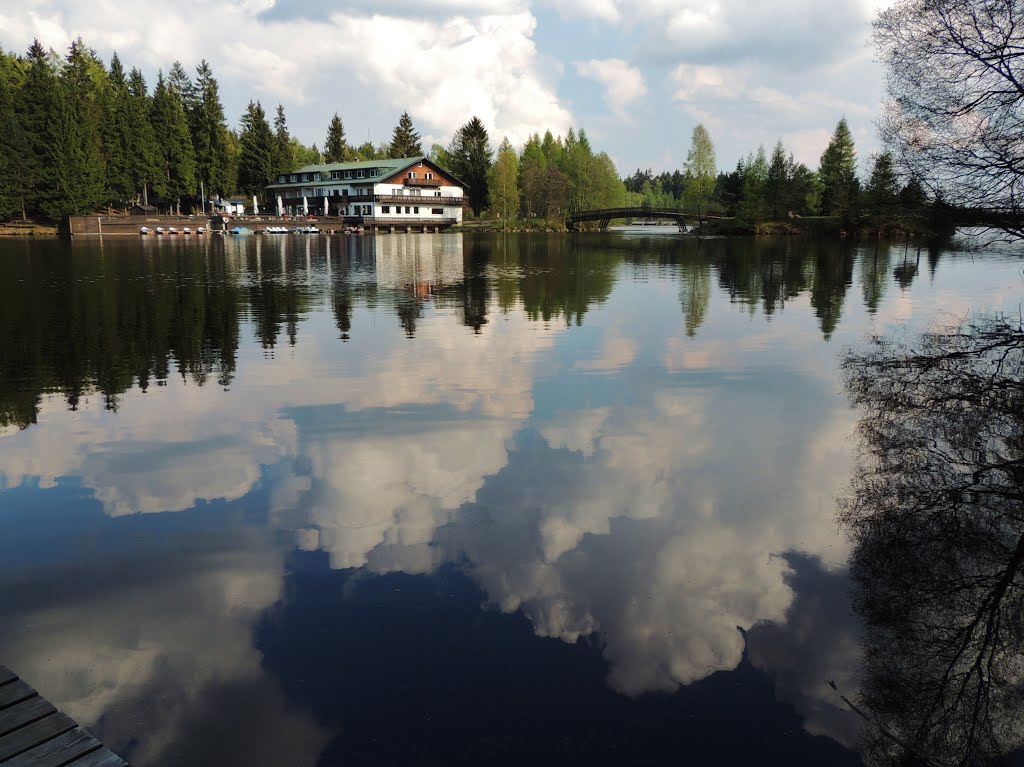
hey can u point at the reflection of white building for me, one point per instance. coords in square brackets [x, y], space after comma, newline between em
[423, 261]
[407, 191]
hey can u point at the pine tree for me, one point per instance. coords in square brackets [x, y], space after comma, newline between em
[405, 142]
[753, 207]
[282, 158]
[14, 144]
[209, 132]
[470, 151]
[503, 182]
[177, 178]
[777, 183]
[143, 153]
[116, 135]
[35, 107]
[838, 172]
[336, 149]
[255, 162]
[76, 151]
[882, 194]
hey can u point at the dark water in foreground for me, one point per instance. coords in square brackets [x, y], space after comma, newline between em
[427, 499]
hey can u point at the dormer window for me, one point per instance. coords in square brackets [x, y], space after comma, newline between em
[373, 172]
[348, 174]
[360, 174]
[294, 178]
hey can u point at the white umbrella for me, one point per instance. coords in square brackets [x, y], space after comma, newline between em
[325, 206]
[305, 206]
[280, 206]
[255, 206]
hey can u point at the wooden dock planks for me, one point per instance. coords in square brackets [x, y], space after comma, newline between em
[34, 734]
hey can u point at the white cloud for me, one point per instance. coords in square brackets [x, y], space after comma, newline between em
[447, 62]
[623, 82]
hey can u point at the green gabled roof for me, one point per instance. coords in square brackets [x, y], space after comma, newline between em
[393, 164]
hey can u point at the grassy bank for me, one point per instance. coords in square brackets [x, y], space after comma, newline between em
[27, 229]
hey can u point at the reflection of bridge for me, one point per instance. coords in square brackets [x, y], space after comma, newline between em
[605, 216]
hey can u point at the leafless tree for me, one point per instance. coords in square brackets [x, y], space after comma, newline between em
[955, 121]
[936, 512]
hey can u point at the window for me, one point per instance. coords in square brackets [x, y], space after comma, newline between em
[366, 210]
[348, 174]
[437, 193]
[385, 208]
[416, 211]
[305, 177]
[406, 208]
[335, 174]
[373, 172]
[294, 178]
[429, 176]
[316, 177]
[282, 179]
[412, 174]
[360, 173]
[437, 211]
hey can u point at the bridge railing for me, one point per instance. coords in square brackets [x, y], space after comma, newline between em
[609, 213]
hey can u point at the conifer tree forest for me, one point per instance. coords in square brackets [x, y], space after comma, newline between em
[78, 135]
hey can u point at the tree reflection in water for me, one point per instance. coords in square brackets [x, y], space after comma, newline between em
[936, 515]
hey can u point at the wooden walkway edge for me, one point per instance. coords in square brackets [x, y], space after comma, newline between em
[33, 733]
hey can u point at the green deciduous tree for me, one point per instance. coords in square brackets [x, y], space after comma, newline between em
[700, 167]
[503, 182]
[405, 142]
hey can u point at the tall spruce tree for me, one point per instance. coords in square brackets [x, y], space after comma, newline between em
[143, 153]
[116, 135]
[470, 152]
[76, 144]
[255, 162]
[36, 107]
[209, 133]
[405, 142]
[282, 157]
[177, 178]
[838, 172]
[336, 148]
[13, 141]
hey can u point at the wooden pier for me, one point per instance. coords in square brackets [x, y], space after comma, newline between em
[33, 733]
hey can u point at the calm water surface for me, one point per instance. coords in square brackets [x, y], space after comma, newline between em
[433, 499]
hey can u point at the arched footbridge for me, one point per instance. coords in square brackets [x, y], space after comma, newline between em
[605, 216]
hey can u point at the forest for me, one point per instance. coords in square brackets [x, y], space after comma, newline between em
[78, 136]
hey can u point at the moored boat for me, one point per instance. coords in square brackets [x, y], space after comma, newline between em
[145, 231]
[186, 230]
[159, 230]
[240, 230]
[276, 230]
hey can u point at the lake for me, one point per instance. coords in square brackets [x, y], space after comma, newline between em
[447, 499]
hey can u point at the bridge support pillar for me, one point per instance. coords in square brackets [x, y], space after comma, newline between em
[604, 224]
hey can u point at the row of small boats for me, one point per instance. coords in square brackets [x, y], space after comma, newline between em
[243, 230]
[186, 231]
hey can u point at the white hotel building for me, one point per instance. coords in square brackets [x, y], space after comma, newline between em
[411, 191]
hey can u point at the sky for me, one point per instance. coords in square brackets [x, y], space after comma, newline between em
[637, 75]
